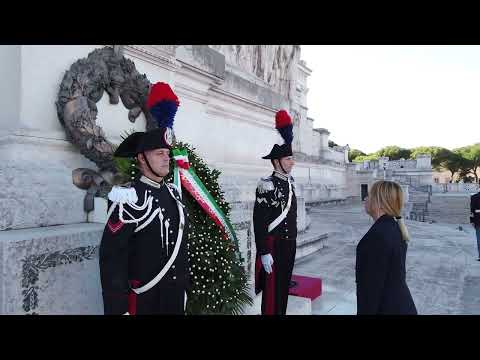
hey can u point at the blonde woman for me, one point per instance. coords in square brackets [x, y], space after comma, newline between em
[380, 261]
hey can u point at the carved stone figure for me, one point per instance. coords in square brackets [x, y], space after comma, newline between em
[274, 64]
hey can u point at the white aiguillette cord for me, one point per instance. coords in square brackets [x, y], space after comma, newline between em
[284, 213]
[167, 225]
[160, 216]
[170, 261]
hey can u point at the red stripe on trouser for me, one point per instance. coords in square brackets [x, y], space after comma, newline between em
[132, 298]
[258, 268]
[269, 291]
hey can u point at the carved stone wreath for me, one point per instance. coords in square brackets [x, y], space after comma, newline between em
[83, 85]
[33, 264]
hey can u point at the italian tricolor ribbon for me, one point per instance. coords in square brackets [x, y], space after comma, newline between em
[185, 176]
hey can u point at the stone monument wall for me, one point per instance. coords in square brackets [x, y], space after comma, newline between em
[229, 96]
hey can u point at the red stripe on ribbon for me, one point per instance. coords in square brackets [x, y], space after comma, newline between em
[183, 164]
[196, 195]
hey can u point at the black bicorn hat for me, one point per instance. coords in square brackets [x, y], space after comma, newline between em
[138, 142]
[279, 151]
[284, 125]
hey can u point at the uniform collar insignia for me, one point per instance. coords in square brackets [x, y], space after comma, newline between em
[280, 175]
[150, 182]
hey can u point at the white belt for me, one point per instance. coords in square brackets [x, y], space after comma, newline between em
[170, 261]
[284, 213]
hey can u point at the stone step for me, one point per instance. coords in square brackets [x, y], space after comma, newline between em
[448, 219]
[308, 243]
[451, 209]
[299, 305]
[455, 203]
[296, 306]
[448, 210]
[448, 207]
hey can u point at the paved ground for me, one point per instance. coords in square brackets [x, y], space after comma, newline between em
[443, 273]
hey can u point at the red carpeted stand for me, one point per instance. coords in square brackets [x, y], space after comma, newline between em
[307, 287]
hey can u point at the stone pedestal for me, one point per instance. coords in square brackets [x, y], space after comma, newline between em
[53, 267]
[51, 270]
[36, 182]
[296, 306]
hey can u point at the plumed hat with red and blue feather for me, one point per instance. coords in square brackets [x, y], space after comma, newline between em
[162, 104]
[284, 125]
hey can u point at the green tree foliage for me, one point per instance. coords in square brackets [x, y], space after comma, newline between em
[331, 144]
[471, 163]
[438, 154]
[464, 161]
[393, 152]
[453, 162]
[354, 153]
[363, 158]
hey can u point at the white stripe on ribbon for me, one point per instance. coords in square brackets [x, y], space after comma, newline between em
[191, 180]
[181, 157]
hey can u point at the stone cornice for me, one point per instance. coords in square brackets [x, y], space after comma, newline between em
[322, 131]
[159, 55]
[196, 73]
[239, 100]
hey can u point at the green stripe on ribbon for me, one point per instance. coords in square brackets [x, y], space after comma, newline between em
[209, 200]
[197, 184]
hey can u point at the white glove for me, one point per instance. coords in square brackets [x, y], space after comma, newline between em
[267, 262]
[127, 313]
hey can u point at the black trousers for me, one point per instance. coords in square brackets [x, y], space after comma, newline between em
[162, 299]
[276, 284]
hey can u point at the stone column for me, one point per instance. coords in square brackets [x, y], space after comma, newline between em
[324, 134]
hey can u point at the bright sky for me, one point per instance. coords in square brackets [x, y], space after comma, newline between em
[375, 96]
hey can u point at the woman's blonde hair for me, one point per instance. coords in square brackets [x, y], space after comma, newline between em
[388, 197]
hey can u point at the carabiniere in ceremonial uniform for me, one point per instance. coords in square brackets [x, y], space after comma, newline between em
[275, 225]
[143, 252]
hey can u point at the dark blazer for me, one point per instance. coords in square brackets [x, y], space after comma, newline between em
[380, 271]
[475, 206]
